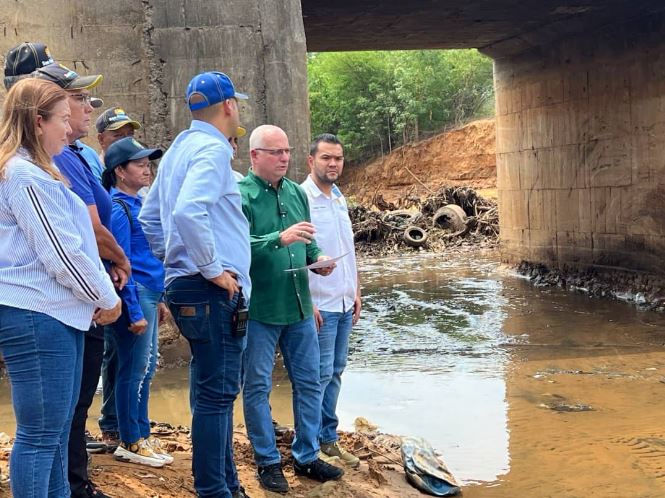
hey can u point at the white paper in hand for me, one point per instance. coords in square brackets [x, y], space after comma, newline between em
[320, 264]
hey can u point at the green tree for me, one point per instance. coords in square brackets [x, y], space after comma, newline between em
[376, 101]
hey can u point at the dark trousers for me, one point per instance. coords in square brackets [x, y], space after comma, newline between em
[108, 422]
[78, 457]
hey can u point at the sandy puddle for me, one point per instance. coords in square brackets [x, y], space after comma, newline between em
[526, 392]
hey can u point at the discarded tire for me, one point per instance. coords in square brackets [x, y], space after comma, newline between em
[451, 217]
[415, 236]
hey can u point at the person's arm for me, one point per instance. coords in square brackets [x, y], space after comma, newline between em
[357, 304]
[122, 233]
[54, 236]
[80, 181]
[200, 190]
[260, 244]
[151, 221]
[312, 250]
[108, 246]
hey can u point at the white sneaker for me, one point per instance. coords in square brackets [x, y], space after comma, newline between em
[156, 447]
[138, 452]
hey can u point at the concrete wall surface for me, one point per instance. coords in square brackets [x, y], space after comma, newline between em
[581, 150]
[149, 50]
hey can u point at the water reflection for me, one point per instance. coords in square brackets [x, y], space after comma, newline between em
[464, 353]
[426, 359]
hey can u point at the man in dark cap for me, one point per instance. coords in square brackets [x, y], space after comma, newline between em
[24, 59]
[112, 125]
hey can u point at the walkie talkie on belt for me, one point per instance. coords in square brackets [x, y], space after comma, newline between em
[240, 317]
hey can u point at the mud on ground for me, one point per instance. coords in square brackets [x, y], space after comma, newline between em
[380, 473]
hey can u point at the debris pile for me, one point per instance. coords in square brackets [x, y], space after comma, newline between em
[646, 291]
[453, 217]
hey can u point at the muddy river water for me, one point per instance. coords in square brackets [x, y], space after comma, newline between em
[524, 391]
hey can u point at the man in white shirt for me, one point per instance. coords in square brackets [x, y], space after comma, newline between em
[336, 297]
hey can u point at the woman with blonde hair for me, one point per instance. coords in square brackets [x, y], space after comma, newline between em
[52, 285]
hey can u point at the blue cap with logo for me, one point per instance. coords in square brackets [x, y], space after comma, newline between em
[213, 87]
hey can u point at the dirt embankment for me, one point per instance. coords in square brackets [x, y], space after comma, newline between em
[464, 156]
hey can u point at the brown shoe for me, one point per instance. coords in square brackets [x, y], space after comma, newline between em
[111, 439]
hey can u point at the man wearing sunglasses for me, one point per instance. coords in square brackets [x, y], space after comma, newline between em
[83, 182]
[282, 240]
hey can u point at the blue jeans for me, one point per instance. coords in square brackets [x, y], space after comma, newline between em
[334, 345]
[108, 422]
[43, 358]
[300, 349]
[203, 313]
[137, 361]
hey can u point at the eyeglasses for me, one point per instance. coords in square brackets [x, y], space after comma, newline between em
[82, 98]
[276, 152]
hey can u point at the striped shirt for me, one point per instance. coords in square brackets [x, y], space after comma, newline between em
[49, 261]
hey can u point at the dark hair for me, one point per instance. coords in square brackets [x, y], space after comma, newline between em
[328, 138]
[109, 178]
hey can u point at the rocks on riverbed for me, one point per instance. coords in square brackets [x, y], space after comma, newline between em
[646, 291]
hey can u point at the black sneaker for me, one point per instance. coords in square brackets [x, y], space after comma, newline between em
[272, 478]
[92, 491]
[92, 445]
[240, 493]
[318, 470]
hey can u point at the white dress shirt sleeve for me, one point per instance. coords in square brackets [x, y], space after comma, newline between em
[151, 222]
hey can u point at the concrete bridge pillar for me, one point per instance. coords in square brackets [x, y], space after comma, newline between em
[149, 50]
[581, 149]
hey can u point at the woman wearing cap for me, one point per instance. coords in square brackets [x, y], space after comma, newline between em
[52, 285]
[127, 171]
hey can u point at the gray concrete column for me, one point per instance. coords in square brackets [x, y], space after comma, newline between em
[581, 150]
[149, 50]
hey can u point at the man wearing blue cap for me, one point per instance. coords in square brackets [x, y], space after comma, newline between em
[193, 220]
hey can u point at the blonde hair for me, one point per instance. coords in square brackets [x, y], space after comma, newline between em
[27, 99]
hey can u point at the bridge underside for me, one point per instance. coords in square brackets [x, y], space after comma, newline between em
[498, 27]
[580, 105]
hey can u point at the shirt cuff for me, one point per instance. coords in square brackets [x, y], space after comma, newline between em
[135, 313]
[276, 240]
[108, 300]
[211, 270]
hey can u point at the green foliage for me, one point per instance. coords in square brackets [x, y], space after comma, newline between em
[376, 101]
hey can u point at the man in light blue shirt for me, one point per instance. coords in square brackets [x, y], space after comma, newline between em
[193, 220]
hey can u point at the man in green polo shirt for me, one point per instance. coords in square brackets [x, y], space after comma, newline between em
[282, 238]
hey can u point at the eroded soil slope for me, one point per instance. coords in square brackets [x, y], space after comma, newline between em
[464, 156]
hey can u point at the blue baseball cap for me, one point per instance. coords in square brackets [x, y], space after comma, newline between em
[127, 149]
[214, 87]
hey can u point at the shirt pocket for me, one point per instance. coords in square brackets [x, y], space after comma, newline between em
[321, 215]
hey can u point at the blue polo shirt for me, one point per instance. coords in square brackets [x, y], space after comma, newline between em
[92, 158]
[83, 182]
[146, 268]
